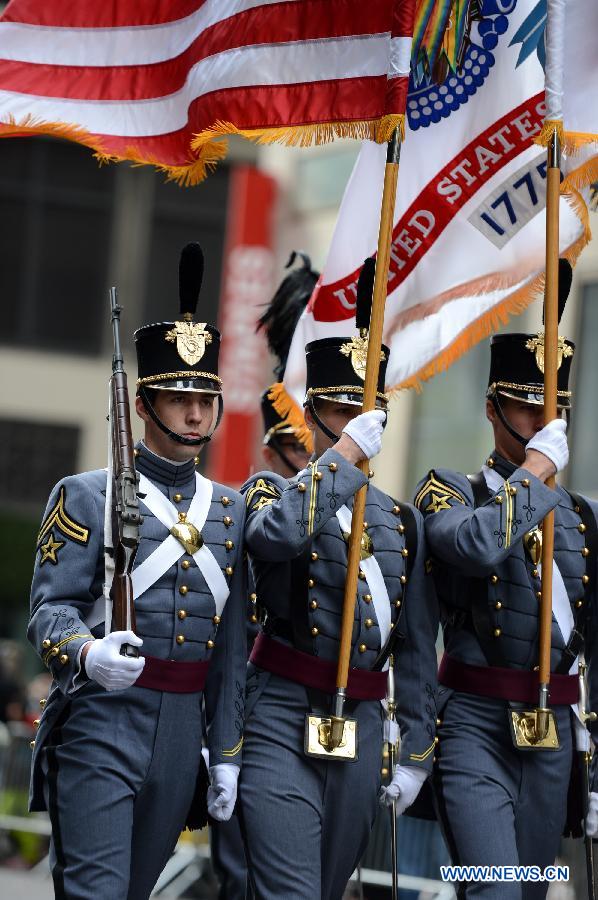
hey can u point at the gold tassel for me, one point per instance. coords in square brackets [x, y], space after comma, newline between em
[548, 129]
[287, 409]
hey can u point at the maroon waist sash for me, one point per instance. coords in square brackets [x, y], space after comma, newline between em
[173, 677]
[303, 668]
[517, 685]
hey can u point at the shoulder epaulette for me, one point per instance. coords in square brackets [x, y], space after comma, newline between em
[440, 493]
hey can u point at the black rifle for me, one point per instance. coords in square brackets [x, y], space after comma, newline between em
[126, 519]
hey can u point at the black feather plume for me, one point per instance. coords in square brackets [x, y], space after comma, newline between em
[190, 277]
[565, 279]
[285, 308]
[365, 290]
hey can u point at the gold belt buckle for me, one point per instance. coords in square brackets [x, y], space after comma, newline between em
[317, 733]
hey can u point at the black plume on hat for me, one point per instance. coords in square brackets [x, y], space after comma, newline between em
[190, 278]
[285, 308]
[565, 279]
[365, 290]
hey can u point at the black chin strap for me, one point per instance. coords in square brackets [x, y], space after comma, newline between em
[179, 438]
[327, 431]
[509, 427]
[505, 421]
[274, 445]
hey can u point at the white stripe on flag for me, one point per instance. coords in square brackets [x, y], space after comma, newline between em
[400, 56]
[130, 46]
[294, 63]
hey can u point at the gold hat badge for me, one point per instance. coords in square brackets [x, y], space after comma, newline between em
[357, 349]
[191, 340]
[536, 346]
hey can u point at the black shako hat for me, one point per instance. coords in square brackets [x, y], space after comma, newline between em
[517, 360]
[181, 355]
[336, 365]
[517, 368]
[336, 370]
[279, 322]
[274, 423]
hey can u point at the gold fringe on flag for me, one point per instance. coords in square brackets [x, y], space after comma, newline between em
[209, 147]
[199, 166]
[571, 141]
[379, 130]
[514, 304]
[288, 409]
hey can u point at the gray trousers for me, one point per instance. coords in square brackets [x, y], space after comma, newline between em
[228, 859]
[499, 805]
[306, 821]
[120, 770]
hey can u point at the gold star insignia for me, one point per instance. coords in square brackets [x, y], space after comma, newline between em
[50, 549]
[438, 503]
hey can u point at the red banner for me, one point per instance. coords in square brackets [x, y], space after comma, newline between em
[246, 285]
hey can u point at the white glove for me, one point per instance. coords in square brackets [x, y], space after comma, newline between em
[552, 442]
[403, 789]
[591, 823]
[366, 430]
[222, 792]
[105, 664]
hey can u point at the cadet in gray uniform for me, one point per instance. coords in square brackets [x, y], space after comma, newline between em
[501, 805]
[284, 452]
[118, 748]
[306, 820]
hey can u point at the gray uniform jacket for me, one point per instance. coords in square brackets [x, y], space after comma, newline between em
[176, 617]
[292, 523]
[487, 583]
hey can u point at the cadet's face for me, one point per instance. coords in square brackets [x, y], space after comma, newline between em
[293, 450]
[335, 416]
[526, 418]
[187, 413]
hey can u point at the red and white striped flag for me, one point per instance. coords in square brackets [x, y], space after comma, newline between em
[161, 81]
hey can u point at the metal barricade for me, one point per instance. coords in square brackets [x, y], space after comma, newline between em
[22, 833]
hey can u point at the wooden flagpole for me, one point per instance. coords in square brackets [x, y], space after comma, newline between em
[391, 174]
[553, 174]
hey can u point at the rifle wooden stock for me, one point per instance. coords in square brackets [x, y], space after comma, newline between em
[123, 606]
[126, 520]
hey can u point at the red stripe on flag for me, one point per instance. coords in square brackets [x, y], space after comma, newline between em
[79, 14]
[249, 108]
[141, 13]
[426, 219]
[256, 26]
[403, 18]
[396, 95]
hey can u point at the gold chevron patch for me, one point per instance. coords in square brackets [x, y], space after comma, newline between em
[441, 493]
[59, 517]
[268, 491]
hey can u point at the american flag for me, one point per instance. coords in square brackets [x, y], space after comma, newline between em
[162, 81]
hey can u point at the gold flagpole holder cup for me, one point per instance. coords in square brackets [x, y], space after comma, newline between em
[535, 729]
[332, 737]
